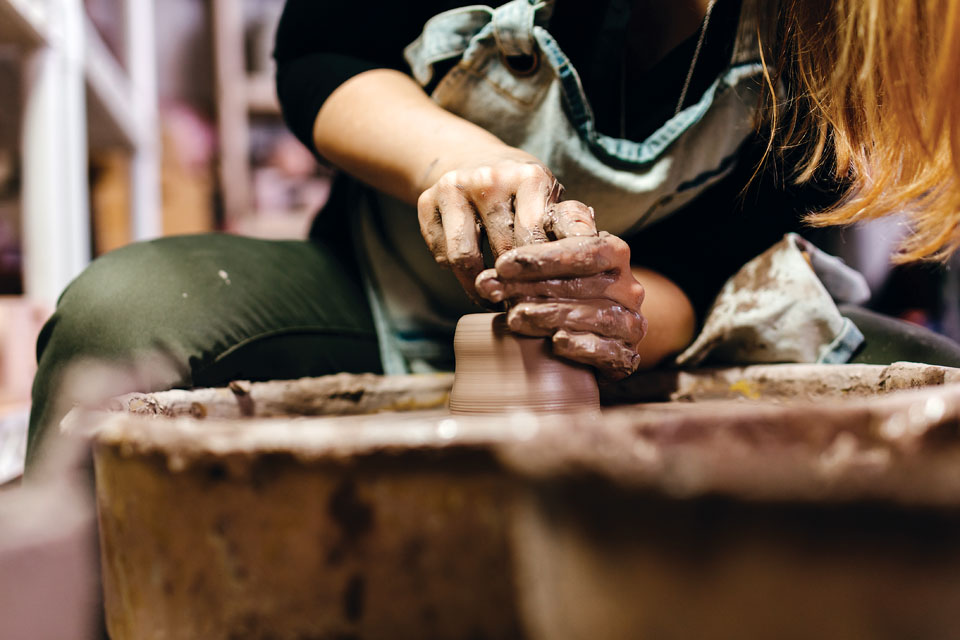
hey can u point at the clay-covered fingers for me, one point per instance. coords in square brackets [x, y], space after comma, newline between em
[599, 333]
[495, 289]
[536, 190]
[579, 290]
[449, 225]
[599, 316]
[574, 267]
[496, 215]
[568, 219]
[565, 258]
[613, 359]
[507, 200]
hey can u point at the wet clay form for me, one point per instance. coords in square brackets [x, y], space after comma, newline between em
[499, 371]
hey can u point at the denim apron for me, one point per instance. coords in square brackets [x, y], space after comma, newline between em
[543, 110]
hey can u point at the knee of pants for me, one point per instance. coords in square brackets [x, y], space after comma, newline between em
[108, 314]
[100, 341]
[174, 311]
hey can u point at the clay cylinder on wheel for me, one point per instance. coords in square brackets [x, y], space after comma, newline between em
[499, 371]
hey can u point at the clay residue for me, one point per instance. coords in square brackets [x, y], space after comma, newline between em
[497, 289]
[568, 219]
[600, 316]
[565, 258]
[354, 598]
[354, 516]
[758, 275]
[612, 357]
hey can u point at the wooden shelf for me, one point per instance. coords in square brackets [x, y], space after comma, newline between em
[77, 97]
[111, 120]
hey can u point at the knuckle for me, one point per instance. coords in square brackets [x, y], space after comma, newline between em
[618, 244]
[427, 207]
[636, 330]
[532, 172]
[521, 313]
[427, 198]
[573, 208]
[515, 318]
[448, 180]
[506, 178]
[463, 260]
[482, 178]
[638, 294]
[487, 277]
[506, 261]
[620, 253]
[562, 342]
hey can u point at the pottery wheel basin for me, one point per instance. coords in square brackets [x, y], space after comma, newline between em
[787, 501]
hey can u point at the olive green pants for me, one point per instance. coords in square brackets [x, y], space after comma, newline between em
[200, 311]
[204, 310]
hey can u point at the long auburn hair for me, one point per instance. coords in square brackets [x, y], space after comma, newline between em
[871, 90]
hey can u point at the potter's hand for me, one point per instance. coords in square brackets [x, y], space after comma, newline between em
[580, 291]
[504, 195]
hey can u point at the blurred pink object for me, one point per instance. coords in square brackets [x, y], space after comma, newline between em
[193, 136]
[48, 578]
[20, 323]
[292, 158]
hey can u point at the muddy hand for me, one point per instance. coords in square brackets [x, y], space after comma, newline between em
[580, 291]
[506, 197]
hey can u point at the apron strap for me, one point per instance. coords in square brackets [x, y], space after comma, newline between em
[513, 27]
[449, 34]
[445, 35]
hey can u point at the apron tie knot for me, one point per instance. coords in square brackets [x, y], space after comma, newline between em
[513, 27]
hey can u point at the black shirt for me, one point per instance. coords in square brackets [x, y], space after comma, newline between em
[320, 45]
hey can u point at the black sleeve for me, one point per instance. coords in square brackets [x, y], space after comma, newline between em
[322, 44]
[731, 223]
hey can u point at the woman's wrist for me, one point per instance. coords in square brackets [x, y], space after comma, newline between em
[381, 127]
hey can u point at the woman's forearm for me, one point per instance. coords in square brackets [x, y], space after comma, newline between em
[382, 128]
[671, 321]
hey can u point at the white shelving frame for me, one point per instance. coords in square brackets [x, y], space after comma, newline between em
[78, 97]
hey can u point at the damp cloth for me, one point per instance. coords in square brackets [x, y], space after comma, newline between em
[782, 307]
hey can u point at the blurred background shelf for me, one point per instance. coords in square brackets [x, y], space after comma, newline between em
[270, 184]
[262, 94]
[23, 22]
[76, 88]
[112, 111]
[78, 97]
